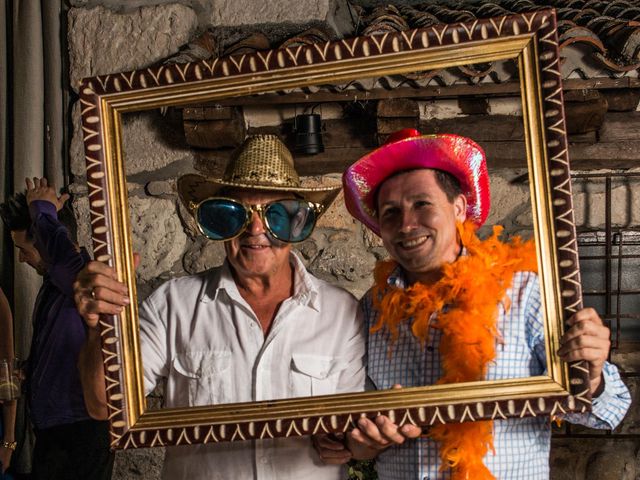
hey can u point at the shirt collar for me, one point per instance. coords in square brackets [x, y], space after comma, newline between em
[305, 286]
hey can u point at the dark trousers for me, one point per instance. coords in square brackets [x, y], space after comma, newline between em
[76, 451]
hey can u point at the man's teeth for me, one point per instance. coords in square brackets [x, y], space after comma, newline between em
[414, 242]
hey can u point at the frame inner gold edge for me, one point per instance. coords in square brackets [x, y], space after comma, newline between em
[162, 96]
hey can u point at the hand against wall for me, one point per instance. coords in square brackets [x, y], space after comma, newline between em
[38, 189]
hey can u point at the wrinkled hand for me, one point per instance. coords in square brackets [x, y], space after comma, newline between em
[97, 291]
[331, 448]
[382, 433]
[40, 190]
[370, 438]
[587, 339]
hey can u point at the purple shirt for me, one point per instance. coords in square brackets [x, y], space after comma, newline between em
[54, 389]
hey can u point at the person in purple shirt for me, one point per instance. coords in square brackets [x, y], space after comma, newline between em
[69, 444]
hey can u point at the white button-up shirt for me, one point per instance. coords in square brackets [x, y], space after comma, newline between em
[203, 339]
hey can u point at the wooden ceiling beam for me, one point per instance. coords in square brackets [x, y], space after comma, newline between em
[425, 93]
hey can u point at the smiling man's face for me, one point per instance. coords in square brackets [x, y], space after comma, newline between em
[418, 223]
[255, 253]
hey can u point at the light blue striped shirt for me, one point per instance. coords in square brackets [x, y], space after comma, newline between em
[521, 445]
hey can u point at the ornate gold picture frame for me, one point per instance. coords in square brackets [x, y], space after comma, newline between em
[530, 39]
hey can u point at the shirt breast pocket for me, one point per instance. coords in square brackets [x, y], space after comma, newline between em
[205, 375]
[313, 375]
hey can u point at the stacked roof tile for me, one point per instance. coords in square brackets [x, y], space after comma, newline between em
[597, 38]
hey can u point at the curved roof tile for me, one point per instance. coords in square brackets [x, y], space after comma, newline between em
[607, 32]
[597, 38]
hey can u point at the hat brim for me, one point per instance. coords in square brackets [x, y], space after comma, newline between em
[193, 189]
[457, 155]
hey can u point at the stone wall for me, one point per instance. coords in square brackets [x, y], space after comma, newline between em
[110, 35]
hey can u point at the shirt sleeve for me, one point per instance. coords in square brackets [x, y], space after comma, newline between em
[608, 409]
[61, 255]
[153, 344]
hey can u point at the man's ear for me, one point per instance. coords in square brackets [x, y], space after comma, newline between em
[460, 208]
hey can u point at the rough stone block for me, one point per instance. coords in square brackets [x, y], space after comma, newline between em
[611, 464]
[203, 255]
[157, 235]
[371, 240]
[525, 219]
[333, 14]
[594, 458]
[631, 422]
[138, 464]
[357, 289]
[506, 197]
[337, 216]
[151, 142]
[102, 41]
[308, 250]
[158, 188]
[83, 220]
[627, 360]
[76, 148]
[343, 260]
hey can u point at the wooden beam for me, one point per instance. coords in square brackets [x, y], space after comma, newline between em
[207, 113]
[502, 137]
[474, 105]
[622, 100]
[585, 116]
[499, 155]
[620, 127]
[623, 154]
[490, 128]
[390, 125]
[426, 93]
[213, 127]
[398, 107]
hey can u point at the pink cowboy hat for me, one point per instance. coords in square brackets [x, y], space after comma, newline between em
[407, 150]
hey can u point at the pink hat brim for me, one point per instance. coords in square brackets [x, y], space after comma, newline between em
[457, 155]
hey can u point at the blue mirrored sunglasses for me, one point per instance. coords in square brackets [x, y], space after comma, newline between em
[290, 220]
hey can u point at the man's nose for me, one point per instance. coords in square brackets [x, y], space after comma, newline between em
[256, 225]
[407, 220]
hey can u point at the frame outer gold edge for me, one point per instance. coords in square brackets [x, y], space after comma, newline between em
[314, 75]
[115, 104]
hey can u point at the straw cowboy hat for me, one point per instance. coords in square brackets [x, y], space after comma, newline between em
[262, 162]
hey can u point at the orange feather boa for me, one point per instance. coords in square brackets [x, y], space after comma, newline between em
[473, 286]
